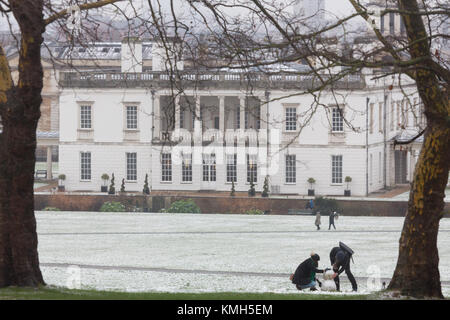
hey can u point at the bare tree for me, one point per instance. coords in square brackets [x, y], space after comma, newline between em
[270, 37]
[20, 111]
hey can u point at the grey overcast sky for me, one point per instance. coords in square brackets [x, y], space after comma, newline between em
[338, 7]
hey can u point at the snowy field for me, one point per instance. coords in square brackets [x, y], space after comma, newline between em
[212, 253]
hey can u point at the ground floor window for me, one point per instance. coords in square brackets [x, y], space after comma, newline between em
[85, 166]
[166, 167]
[252, 168]
[231, 167]
[131, 166]
[209, 167]
[290, 168]
[186, 168]
[336, 169]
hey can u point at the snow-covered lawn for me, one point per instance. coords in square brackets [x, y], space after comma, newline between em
[211, 253]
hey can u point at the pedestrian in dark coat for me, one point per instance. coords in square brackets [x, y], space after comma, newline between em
[305, 274]
[340, 260]
[331, 220]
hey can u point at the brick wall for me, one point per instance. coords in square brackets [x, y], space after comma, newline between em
[75, 202]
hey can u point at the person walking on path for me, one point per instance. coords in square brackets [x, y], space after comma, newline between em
[332, 216]
[317, 222]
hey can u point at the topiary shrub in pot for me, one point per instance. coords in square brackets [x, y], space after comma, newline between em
[347, 191]
[311, 182]
[61, 179]
[105, 179]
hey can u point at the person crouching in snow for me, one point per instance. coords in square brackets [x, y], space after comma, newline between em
[305, 274]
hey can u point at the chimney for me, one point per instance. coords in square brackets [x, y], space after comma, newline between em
[167, 54]
[131, 55]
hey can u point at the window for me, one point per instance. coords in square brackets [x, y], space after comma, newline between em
[290, 169]
[232, 167]
[131, 166]
[209, 167]
[182, 118]
[382, 24]
[258, 120]
[246, 119]
[337, 120]
[391, 22]
[132, 117]
[336, 169]
[291, 119]
[85, 166]
[252, 168]
[85, 117]
[238, 117]
[216, 123]
[186, 168]
[166, 167]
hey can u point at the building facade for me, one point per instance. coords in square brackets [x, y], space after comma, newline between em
[219, 131]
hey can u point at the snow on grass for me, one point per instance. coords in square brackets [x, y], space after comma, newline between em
[206, 249]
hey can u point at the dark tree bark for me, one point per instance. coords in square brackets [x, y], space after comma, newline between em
[417, 270]
[19, 109]
[20, 113]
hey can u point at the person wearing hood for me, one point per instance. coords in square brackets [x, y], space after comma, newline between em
[305, 274]
[340, 260]
[317, 222]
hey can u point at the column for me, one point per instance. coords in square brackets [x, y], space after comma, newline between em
[222, 114]
[177, 113]
[156, 116]
[197, 121]
[242, 112]
[49, 162]
[263, 112]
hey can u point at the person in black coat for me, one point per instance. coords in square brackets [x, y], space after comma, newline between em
[331, 220]
[340, 260]
[305, 274]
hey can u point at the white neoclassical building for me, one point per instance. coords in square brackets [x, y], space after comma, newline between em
[218, 130]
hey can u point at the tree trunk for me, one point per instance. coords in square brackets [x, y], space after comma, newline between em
[417, 271]
[19, 263]
[20, 112]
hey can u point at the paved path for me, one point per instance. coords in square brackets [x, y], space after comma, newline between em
[217, 232]
[215, 272]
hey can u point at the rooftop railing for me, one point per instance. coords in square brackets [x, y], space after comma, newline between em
[209, 79]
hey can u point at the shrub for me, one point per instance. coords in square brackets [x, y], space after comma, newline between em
[311, 181]
[122, 187]
[254, 211]
[233, 190]
[325, 205]
[146, 189]
[112, 207]
[183, 206]
[51, 209]
[265, 192]
[112, 188]
[252, 191]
